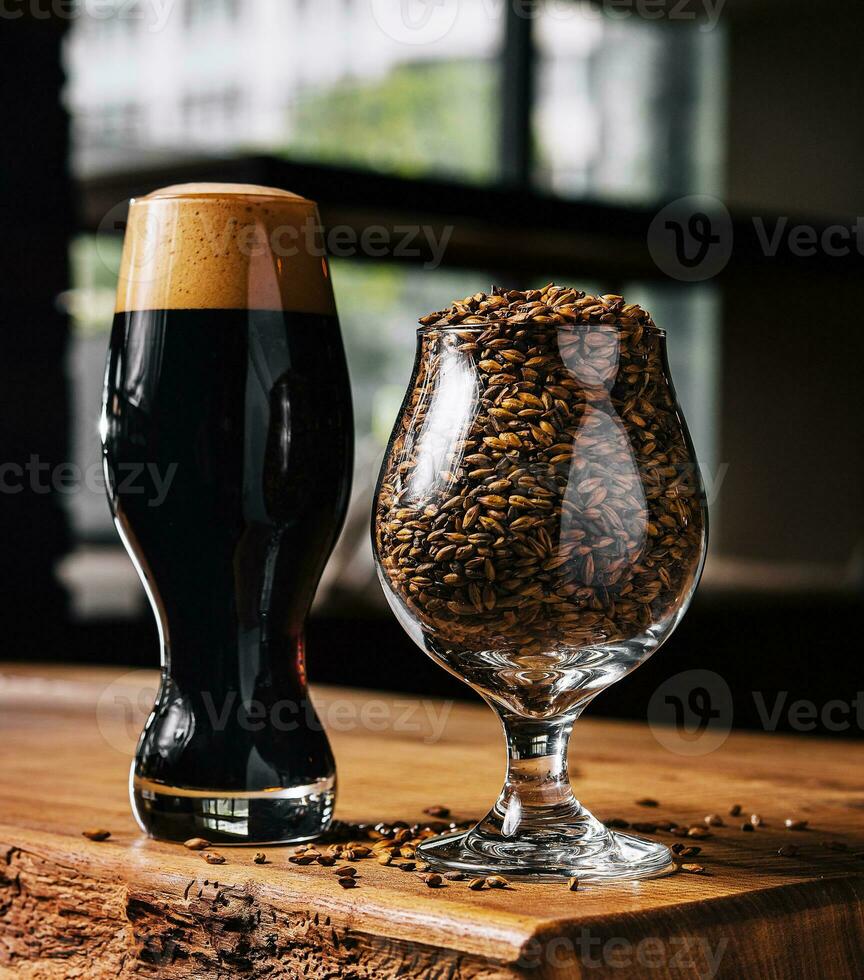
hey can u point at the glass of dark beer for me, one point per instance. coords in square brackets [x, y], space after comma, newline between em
[227, 437]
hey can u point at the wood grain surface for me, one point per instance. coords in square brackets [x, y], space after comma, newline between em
[133, 907]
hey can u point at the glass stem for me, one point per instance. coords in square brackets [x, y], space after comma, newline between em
[537, 788]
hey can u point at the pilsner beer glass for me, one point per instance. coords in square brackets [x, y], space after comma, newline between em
[227, 447]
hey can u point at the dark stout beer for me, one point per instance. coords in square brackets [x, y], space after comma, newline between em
[228, 439]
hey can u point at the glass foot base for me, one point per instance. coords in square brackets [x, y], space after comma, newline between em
[588, 852]
[280, 816]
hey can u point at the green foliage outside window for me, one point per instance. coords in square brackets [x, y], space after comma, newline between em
[433, 117]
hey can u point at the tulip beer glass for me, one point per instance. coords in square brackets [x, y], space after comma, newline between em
[539, 529]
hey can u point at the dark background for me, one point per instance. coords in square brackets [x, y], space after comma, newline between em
[782, 597]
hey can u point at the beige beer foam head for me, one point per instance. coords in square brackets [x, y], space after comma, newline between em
[224, 247]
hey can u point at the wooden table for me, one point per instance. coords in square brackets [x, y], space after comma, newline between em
[132, 907]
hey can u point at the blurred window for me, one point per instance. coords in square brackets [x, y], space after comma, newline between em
[95, 262]
[198, 11]
[339, 81]
[690, 315]
[627, 109]
[113, 124]
[210, 116]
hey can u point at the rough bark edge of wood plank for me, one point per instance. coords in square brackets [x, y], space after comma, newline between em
[56, 922]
